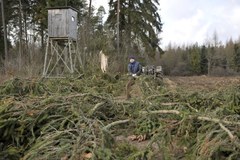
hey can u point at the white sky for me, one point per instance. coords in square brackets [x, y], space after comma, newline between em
[191, 21]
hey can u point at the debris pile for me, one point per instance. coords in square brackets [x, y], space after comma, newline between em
[81, 118]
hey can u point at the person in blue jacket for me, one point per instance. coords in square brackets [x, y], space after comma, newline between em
[134, 67]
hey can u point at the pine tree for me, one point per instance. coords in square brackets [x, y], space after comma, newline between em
[236, 57]
[195, 59]
[203, 60]
[229, 52]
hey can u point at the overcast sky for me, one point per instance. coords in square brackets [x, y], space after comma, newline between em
[190, 21]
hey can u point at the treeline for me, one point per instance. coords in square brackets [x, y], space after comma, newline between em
[135, 30]
[214, 59]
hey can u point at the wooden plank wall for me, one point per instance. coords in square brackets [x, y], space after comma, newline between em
[73, 24]
[60, 24]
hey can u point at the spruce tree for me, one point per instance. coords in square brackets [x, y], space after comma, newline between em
[139, 25]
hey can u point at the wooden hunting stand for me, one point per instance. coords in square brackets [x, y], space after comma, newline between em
[61, 50]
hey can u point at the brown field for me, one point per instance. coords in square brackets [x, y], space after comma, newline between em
[202, 82]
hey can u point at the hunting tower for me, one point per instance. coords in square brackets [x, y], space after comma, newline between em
[61, 50]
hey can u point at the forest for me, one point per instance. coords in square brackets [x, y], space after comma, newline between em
[26, 23]
[192, 111]
[139, 34]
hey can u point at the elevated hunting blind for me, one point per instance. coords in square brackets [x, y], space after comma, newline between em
[61, 51]
[62, 23]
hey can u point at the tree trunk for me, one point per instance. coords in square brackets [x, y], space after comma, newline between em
[5, 32]
[209, 66]
[42, 37]
[90, 8]
[118, 23]
[129, 28]
[27, 51]
[20, 35]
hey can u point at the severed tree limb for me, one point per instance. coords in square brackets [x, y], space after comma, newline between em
[191, 116]
[77, 95]
[191, 107]
[154, 96]
[177, 103]
[170, 103]
[148, 86]
[161, 112]
[95, 108]
[233, 138]
[218, 120]
[228, 131]
[115, 123]
[215, 120]
[84, 94]
[119, 101]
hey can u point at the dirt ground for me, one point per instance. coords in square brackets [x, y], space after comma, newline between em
[201, 82]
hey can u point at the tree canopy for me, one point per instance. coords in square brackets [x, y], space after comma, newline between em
[139, 23]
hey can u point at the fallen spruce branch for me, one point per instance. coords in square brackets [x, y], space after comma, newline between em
[161, 112]
[95, 108]
[155, 96]
[218, 120]
[115, 123]
[203, 118]
[227, 130]
[191, 116]
[177, 103]
[122, 101]
[170, 103]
